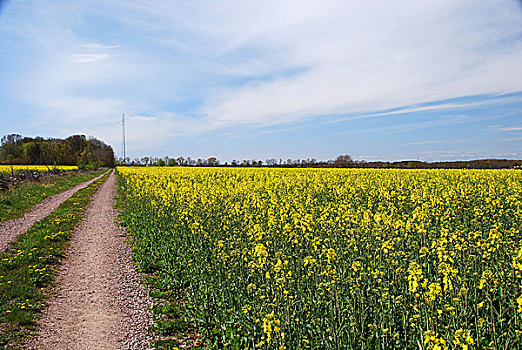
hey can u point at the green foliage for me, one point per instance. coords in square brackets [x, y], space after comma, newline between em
[15, 202]
[74, 150]
[92, 165]
[333, 259]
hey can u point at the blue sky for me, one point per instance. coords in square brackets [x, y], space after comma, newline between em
[241, 79]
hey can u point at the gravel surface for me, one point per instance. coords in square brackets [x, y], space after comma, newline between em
[98, 301]
[9, 230]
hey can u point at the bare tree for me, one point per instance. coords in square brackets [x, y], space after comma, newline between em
[343, 161]
[271, 162]
[212, 161]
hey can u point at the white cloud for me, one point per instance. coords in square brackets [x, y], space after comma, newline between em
[436, 107]
[428, 142]
[513, 128]
[97, 46]
[140, 117]
[88, 57]
[263, 63]
[364, 56]
[432, 142]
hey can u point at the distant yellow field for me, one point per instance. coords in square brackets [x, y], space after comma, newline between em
[9, 168]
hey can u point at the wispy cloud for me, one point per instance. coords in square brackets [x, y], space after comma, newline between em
[432, 142]
[188, 68]
[88, 57]
[510, 139]
[511, 128]
[434, 106]
[428, 142]
[96, 46]
[140, 117]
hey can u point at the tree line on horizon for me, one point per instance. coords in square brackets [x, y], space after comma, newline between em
[342, 161]
[93, 153]
[86, 153]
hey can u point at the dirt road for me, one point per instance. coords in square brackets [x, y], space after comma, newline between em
[9, 230]
[98, 302]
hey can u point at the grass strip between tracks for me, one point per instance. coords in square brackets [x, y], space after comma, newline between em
[29, 266]
[22, 197]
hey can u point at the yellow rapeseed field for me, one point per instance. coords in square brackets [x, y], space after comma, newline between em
[335, 259]
[41, 168]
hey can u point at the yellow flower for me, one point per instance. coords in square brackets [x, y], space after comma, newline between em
[519, 302]
[247, 308]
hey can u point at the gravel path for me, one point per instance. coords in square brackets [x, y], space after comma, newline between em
[9, 230]
[98, 301]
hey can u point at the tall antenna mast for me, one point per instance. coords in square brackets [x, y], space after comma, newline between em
[123, 132]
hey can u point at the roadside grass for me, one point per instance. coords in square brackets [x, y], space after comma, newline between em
[28, 267]
[172, 327]
[22, 197]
